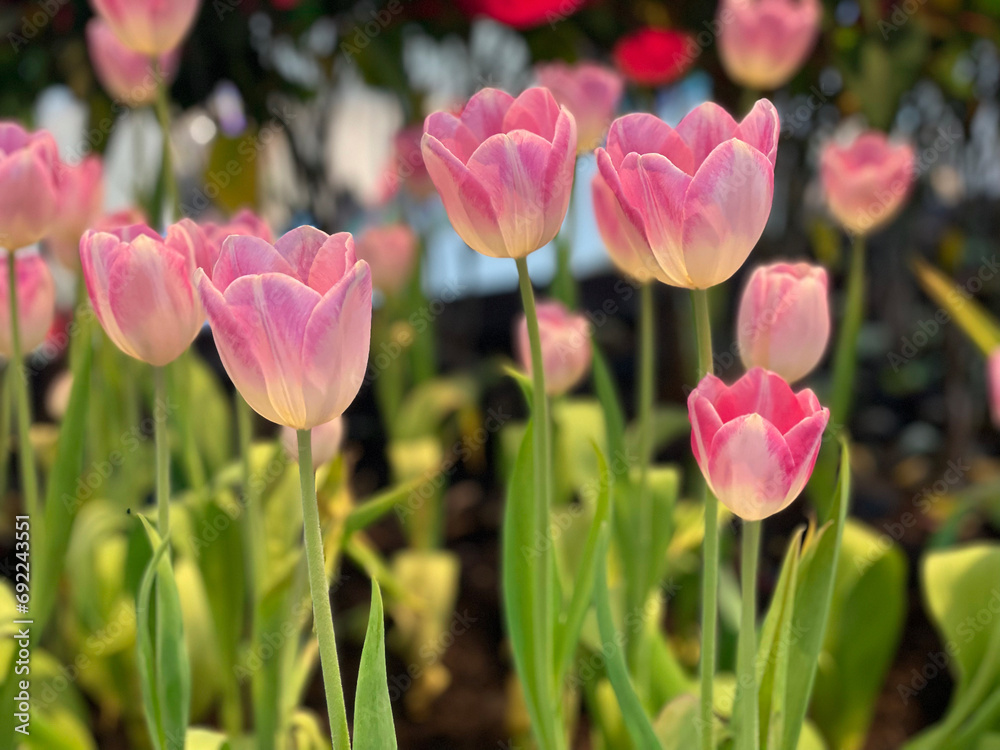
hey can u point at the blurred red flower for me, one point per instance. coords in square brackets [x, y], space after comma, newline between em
[655, 57]
[524, 14]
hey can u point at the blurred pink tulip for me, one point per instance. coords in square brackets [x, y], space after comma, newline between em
[867, 181]
[124, 217]
[326, 441]
[784, 319]
[128, 76]
[763, 43]
[591, 93]
[30, 173]
[756, 441]
[243, 222]
[292, 323]
[140, 285]
[36, 301]
[81, 196]
[993, 383]
[391, 251]
[504, 169]
[566, 347]
[410, 170]
[148, 27]
[686, 205]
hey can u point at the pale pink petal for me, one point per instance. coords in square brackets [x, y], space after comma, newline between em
[704, 128]
[705, 423]
[761, 128]
[453, 134]
[804, 442]
[484, 113]
[644, 133]
[536, 111]
[243, 255]
[763, 392]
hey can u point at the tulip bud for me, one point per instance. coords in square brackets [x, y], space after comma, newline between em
[81, 196]
[391, 251]
[148, 27]
[128, 76]
[756, 442]
[140, 286]
[566, 346]
[784, 319]
[292, 323]
[867, 181]
[590, 92]
[326, 441]
[36, 301]
[763, 43]
[504, 169]
[29, 185]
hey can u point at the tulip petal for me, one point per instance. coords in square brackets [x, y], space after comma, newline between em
[765, 393]
[704, 128]
[243, 255]
[484, 114]
[299, 247]
[803, 443]
[644, 133]
[27, 199]
[726, 209]
[97, 252]
[751, 468]
[705, 423]
[454, 134]
[331, 262]
[761, 128]
[536, 111]
[626, 242]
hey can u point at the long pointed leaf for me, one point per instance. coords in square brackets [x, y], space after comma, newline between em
[373, 727]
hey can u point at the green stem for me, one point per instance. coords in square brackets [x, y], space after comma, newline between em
[746, 649]
[26, 454]
[542, 606]
[563, 286]
[319, 587]
[162, 455]
[710, 576]
[846, 361]
[167, 168]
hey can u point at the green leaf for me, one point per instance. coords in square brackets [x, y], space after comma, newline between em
[206, 739]
[978, 324]
[639, 727]
[614, 420]
[373, 727]
[364, 515]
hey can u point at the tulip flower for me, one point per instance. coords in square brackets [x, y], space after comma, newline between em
[654, 57]
[30, 173]
[409, 167]
[867, 181]
[784, 319]
[686, 205]
[763, 43]
[148, 27]
[756, 442]
[326, 441]
[244, 222]
[591, 93]
[525, 14]
[36, 301]
[993, 382]
[292, 323]
[391, 252]
[566, 347]
[140, 285]
[128, 76]
[504, 169]
[81, 196]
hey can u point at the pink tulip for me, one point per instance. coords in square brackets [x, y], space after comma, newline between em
[763, 43]
[993, 382]
[409, 169]
[867, 181]
[124, 217]
[391, 251]
[591, 93]
[244, 222]
[81, 196]
[756, 441]
[148, 27]
[36, 301]
[784, 319]
[292, 323]
[566, 347]
[504, 169]
[140, 286]
[326, 441]
[686, 206]
[29, 185]
[128, 76]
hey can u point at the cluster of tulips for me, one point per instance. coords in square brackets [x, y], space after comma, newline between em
[291, 318]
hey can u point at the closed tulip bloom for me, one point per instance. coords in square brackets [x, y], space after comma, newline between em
[784, 319]
[504, 169]
[327, 439]
[140, 285]
[591, 93]
[566, 347]
[655, 57]
[867, 181]
[993, 383]
[292, 323]
[36, 301]
[756, 441]
[29, 185]
[128, 76]
[687, 205]
[243, 222]
[148, 27]
[391, 251]
[763, 43]
[81, 196]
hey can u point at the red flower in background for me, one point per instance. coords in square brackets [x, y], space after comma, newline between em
[524, 14]
[655, 57]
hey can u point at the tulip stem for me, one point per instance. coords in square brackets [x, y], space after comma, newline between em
[29, 479]
[564, 286]
[746, 649]
[162, 438]
[542, 606]
[171, 192]
[319, 587]
[846, 361]
[710, 576]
